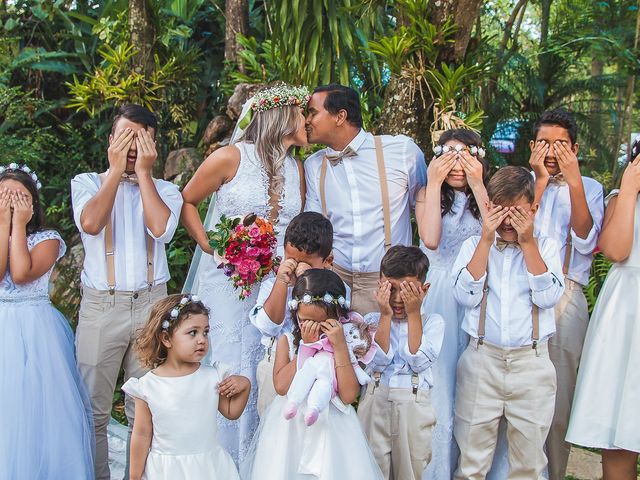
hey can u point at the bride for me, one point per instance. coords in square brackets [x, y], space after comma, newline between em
[255, 173]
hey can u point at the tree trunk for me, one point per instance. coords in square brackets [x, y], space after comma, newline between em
[236, 21]
[142, 35]
[466, 15]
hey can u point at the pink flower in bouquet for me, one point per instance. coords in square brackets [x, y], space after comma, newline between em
[254, 252]
[254, 232]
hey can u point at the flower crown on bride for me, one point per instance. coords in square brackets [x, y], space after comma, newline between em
[275, 97]
[327, 298]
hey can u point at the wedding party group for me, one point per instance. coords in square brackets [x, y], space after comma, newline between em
[313, 339]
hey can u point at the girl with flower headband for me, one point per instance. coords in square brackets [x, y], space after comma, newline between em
[255, 173]
[334, 446]
[44, 399]
[174, 435]
[448, 211]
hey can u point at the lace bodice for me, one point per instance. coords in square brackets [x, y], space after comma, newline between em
[38, 289]
[458, 225]
[248, 191]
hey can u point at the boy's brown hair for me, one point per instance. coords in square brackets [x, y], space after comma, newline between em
[509, 184]
[401, 261]
[149, 347]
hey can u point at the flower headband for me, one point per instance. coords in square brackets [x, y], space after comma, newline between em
[473, 150]
[175, 311]
[327, 298]
[14, 167]
[275, 97]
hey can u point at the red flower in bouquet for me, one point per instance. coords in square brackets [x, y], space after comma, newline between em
[245, 249]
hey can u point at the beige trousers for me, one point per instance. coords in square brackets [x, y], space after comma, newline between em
[363, 287]
[493, 383]
[107, 328]
[565, 350]
[398, 425]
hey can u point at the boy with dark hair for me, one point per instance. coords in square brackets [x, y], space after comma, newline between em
[509, 281]
[365, 184]
[395, 411]
[125, 218]
[308, 242]
[571, 212]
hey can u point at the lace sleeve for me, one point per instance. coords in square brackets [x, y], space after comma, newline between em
[39, 237]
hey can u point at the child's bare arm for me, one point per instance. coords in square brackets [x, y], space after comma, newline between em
[234, 393]
[283, 368]
[140, 440]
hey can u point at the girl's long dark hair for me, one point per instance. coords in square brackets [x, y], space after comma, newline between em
[37, 219]
[447, 193]
[317, 282]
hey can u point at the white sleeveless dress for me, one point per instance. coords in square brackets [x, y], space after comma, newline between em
[233, 339]
[605, 406]
[457, 226]
[183, 413]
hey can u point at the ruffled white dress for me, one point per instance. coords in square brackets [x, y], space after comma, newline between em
[605, 407]
[185, 443]
[457, 226]
[233, 339]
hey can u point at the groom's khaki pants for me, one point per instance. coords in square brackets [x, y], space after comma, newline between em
[515, 383]
[363, 285]
[107, 328]
[565, 350]
[398, 425]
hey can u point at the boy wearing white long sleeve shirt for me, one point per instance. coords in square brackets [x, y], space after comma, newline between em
[509, 284]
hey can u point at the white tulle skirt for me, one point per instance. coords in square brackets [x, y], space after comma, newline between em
[334, 447]
[47, 421]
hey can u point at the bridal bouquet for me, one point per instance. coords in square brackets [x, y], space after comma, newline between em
[245, 249]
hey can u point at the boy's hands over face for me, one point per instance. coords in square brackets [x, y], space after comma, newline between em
[567, 161]
[383, 296]
[118, 150]
[287, 271]
[147, 153]
[536, 160]
[522, 222]
[494, 218]
[412, 295]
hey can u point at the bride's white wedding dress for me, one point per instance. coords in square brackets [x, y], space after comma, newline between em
[233, 339]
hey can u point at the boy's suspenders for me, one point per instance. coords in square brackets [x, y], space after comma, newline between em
[384, 190]
[535, 317]
[567, 252]
[109, 253]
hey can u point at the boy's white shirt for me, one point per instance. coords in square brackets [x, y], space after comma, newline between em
[553, 219]
[512, 293]
[130, 249]
[398, 365]
[260, 319]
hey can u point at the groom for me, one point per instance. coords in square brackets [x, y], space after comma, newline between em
[365, 185]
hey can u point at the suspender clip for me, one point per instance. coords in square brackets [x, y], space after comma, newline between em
[376, 378]
[270, 348]
[481, 340]
[112, 289]
[414, 383]
[534, 345]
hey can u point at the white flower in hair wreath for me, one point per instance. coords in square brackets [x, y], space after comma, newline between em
[327, 298]
[473, 150]
[14, 167]
[175, 311]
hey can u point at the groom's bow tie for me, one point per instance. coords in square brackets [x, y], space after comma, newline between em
[502, 244]
[557, 179]
[336, 158]
[129, 178]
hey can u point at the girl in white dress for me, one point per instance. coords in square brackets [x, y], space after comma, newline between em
[254, 174]
[448, 211]
[174, 435]
[335, 446]
[605, 408]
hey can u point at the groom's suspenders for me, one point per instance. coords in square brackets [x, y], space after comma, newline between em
[384, 190]
[109, 253]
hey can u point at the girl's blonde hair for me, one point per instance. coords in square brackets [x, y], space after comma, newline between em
[267, 131]
[149, 347]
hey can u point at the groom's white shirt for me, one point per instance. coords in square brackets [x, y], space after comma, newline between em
[354, 203]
